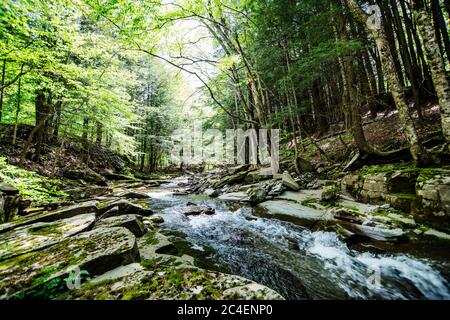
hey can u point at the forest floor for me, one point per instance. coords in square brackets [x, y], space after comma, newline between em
[384, 133]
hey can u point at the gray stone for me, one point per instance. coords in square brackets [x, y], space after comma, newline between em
[129, 221]
[8, 189]
[135, 195]
[131, 283]
[289, 182]
[212, 193]
[256, 195]
[197, 210]
[42, 234]
[437, 234]
[64, 213]
[346, 214]
[123, 207]
[95, 252]
[295, 212]
[235, 197]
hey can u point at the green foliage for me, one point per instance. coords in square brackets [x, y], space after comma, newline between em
[150, 238]
[32, 186]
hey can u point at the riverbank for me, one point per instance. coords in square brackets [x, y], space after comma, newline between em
[178, 238]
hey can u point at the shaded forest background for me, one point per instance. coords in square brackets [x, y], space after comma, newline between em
[100, 78]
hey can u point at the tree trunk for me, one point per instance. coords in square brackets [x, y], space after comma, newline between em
[2, 89]
[42, 113]
[16, 122]
[57, 121]
[98, 141]
[436, 62]
[418, 152]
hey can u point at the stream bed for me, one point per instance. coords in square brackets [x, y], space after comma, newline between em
[294, 261]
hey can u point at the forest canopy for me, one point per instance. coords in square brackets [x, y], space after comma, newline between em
[125, 74]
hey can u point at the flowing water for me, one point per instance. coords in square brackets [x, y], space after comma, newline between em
[296, 262]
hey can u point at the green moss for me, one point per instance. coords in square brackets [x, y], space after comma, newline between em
[310, 202]
[150, 238]
[405, 167]
[32, 186]
[160, 262]
[353, 208]
[45, 230]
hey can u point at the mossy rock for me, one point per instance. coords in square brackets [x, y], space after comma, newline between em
[96, 252]
[63, 213]
[179, 283]
[41, 235]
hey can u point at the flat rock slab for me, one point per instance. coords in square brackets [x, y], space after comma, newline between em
[235, 197]
[301, 195]
[179, 283]
[134, 195]
[121, 207]
[130, 221]
[63, 213]
[42, 234]
[376, 233]
[8, 189]
[287, 210]
[42, 273]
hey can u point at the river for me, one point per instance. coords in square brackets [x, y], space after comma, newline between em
[294, 261]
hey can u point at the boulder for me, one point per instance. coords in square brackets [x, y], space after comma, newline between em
[437, 234]
[157, 219]
[64, 213]
[42, 274]
[7, 189]
[259, 175]
[403, 202]
[121, 207]
[155, 244]
[329, 194]
[191, 284]
[134, 195]
[197, 210]
[42, 234]
[289, 182]
[212, 193]
[256, 195]
[129, 221]
[346, 214]
[433, 189]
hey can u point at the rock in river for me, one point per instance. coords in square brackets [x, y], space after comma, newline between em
[198, 210]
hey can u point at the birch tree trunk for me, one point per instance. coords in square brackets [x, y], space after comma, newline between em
[418, 152]
[436, 63]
